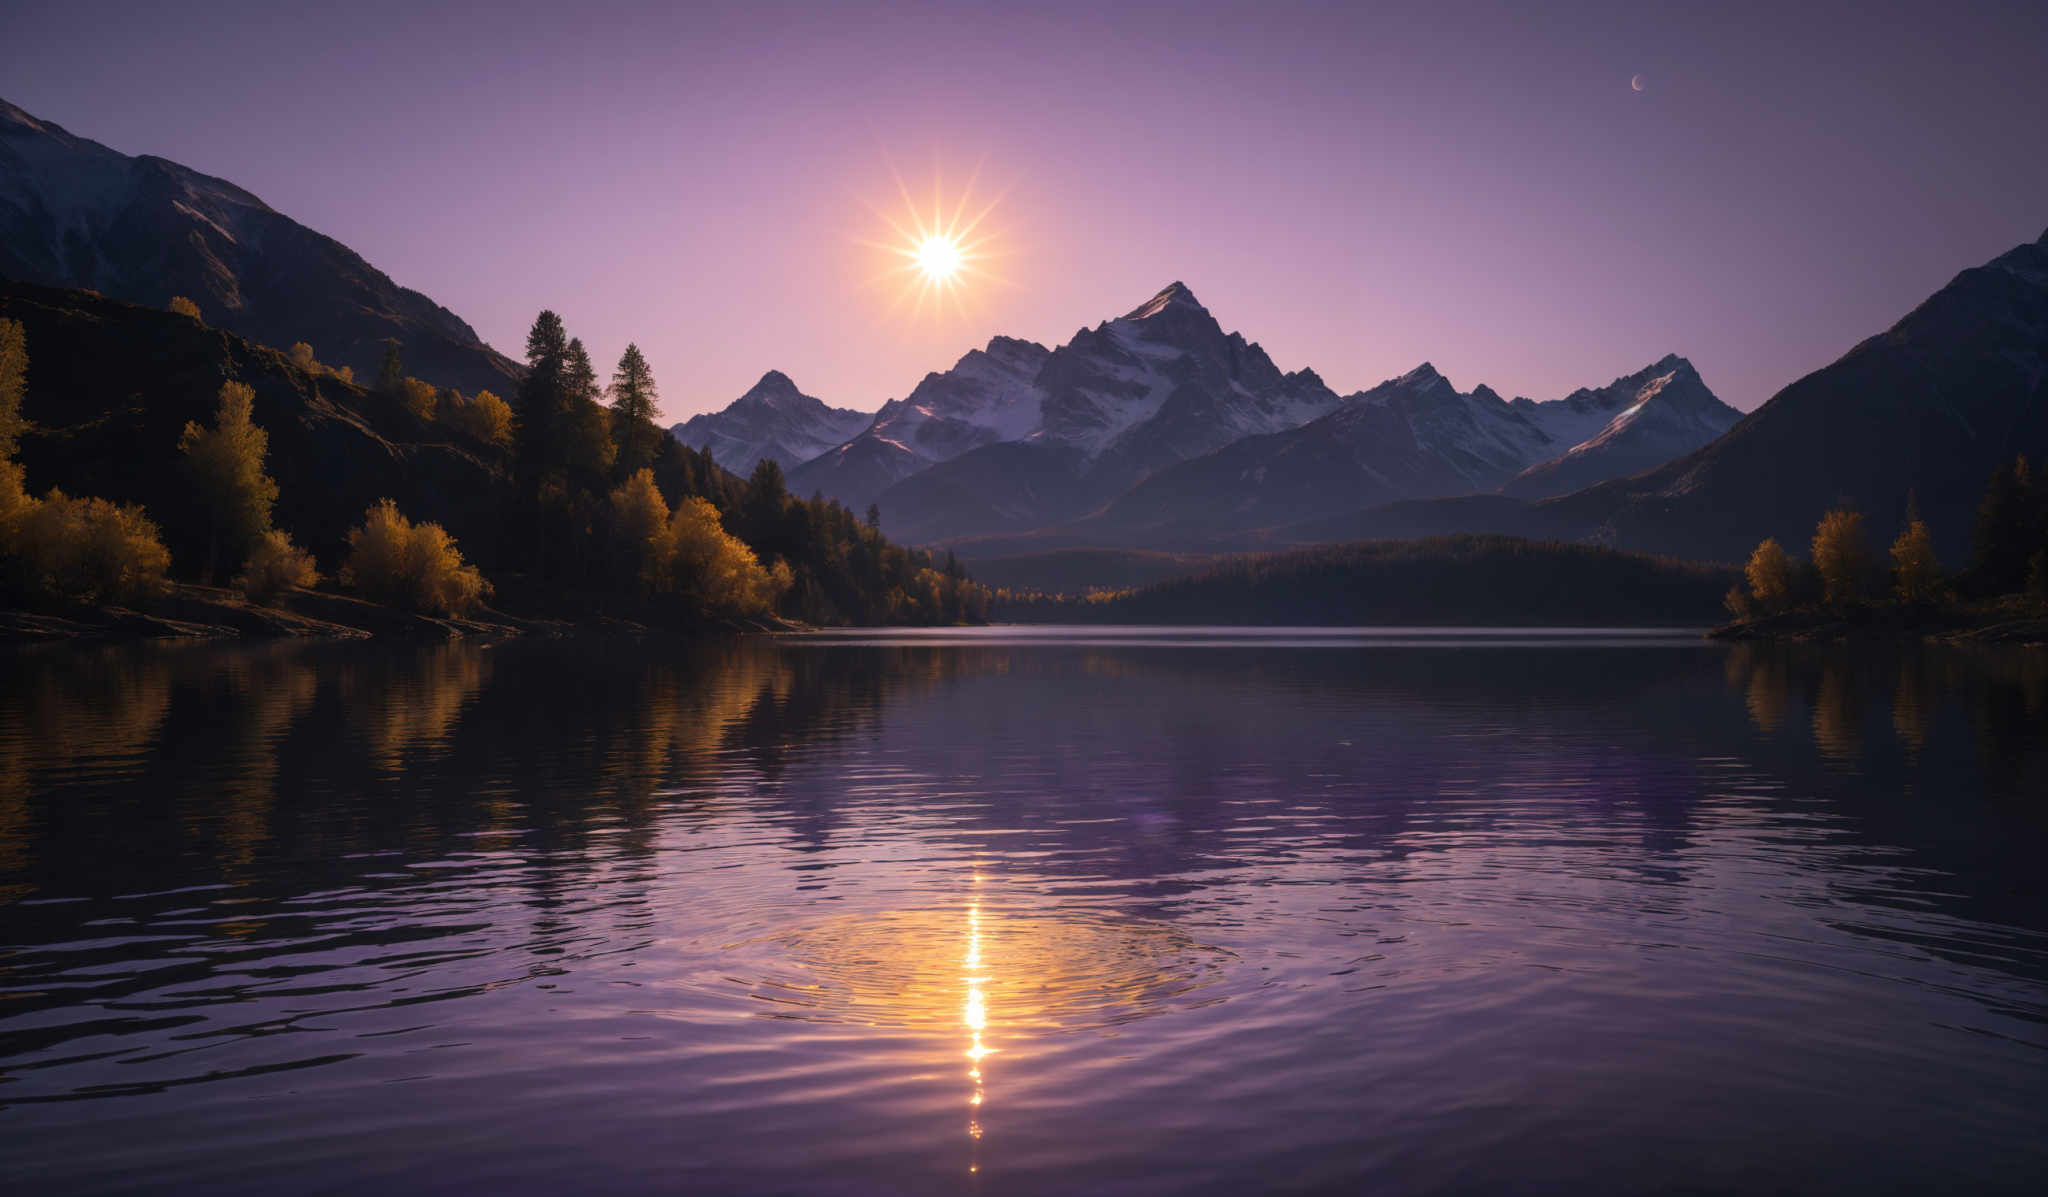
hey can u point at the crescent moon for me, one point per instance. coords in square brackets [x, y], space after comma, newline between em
[1636, 83]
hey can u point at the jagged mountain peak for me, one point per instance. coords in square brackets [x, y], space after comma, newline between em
[773, 385]
[1175, 295]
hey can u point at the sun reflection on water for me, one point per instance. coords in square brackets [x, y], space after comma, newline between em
[974, 1015]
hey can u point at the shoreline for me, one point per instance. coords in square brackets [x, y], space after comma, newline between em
[187, 611]
[1999, 623]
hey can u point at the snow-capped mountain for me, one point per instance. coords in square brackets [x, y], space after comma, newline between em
[772, 420]
[74, 213]
[1160, 418]
[1154, 387]
[1409, 437]
[1635, 423]
[1916, 415]
[1419, 437]
[989, 395]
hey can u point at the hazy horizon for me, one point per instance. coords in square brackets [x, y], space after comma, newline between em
[1357, 192]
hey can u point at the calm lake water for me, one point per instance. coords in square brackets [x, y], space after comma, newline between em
[1024, 911]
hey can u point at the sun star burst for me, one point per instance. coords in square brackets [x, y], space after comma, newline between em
[937, 254]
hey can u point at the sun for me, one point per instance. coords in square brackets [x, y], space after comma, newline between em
[936, 254]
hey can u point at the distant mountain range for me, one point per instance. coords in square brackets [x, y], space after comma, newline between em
[76, 214]
[1922, 412]
[1161, 425]
[1157, 430]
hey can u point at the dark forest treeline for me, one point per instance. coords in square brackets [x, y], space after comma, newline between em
[212, 459]
[1453, 580]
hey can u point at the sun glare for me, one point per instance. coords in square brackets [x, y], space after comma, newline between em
[939, 258]
[938, 252]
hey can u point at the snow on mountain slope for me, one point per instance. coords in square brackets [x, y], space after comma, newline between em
[1479, 435]
[1657, 414]
[1415, 435]
[988, 396]
[772, 420]
[1155, 387]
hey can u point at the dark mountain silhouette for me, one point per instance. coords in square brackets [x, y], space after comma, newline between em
[74, 213]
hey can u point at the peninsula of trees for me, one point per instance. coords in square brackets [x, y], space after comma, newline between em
[1843, 586]
[565, 503]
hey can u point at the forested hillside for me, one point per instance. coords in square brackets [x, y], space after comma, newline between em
[567, 496]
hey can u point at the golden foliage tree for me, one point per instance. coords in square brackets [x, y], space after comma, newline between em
[640, 532]
[1841, 552]
[185, 307]
[418, 397]
[1769, 574]
[1916, 572]
[276, 565]
[13, 386]
[717, 573]
[392, 560]
[484, 417]
[302, 357]
[225, 463]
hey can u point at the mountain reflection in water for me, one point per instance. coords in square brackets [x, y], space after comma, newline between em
[1103, 909]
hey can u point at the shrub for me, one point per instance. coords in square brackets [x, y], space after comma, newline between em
[185, 307]
[418, 397]
[85, 549]
[14, 501]
[392, 560]
[275, 566]
[302, 357]
[485, 417]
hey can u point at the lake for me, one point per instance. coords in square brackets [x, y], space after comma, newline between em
[1025, 911]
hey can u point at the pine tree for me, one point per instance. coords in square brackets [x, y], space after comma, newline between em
[541, 397]
[578, 375]
[634, 399]
[391, 375]
[1999, 548]
[226, 466]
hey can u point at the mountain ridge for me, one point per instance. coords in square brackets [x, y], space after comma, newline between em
[141, 228]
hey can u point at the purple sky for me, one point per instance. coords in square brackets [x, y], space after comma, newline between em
[1357, 187]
